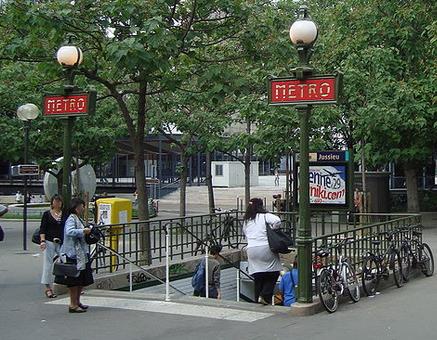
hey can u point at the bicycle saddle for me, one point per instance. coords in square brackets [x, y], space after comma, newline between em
[376, 242]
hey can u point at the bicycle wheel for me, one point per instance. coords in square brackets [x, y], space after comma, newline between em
[327, 292]
[370, 275]
[427, 260]
[395, 265]
[405, 262]
[352, 282]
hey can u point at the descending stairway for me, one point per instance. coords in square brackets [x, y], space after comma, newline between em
[228, 283]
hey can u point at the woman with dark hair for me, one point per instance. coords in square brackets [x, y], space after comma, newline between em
[264, 265]
[76, 251]
[51, 232]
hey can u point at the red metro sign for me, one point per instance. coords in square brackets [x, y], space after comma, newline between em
[311, 90]
[75, 104]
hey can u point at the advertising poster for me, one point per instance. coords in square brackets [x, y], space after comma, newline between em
[328, 184]
[104, 214]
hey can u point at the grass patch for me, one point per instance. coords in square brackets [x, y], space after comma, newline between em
[16, 216]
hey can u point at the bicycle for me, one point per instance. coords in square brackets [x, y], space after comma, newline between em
[422, 258]
[229, 232]
[334, 280]
[376, 265]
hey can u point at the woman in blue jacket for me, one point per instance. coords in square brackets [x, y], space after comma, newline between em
[76, 251]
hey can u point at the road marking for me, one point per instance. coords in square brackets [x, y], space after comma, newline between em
[170, 308]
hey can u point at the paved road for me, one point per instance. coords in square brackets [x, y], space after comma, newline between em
[404, 314]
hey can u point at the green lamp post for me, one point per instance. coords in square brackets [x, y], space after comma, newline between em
[69, 57]
[26, 113]
[303, 34]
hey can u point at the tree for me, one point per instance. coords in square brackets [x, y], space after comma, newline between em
[132, 49]
[377, 43]
[94, 139]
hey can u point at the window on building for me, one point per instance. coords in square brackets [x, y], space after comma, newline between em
[219, 170]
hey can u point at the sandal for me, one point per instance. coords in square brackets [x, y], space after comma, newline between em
[76, 310]
[49, 293]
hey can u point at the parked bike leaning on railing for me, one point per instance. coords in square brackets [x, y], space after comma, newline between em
[415, 253]
[337, 279]
[377, 265]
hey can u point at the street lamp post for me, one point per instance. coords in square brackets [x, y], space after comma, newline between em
[26, 113]
[303, 34]
[69, 57]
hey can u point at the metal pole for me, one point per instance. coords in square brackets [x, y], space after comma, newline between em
[238, 285]
[26, 151]
[66, 174]
[130, 277]
[198, 168]
[304, 240]
[206, 272]
[159, 166]
[167, 265]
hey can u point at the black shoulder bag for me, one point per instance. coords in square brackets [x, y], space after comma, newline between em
[279, 242]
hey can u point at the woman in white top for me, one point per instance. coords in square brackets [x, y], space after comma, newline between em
[264, 265]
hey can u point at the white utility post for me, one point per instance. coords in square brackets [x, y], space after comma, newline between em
[206, 272]
[167, 264]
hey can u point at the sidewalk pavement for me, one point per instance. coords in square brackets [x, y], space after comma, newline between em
[406, 313]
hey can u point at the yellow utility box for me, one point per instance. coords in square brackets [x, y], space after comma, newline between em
[115, 212]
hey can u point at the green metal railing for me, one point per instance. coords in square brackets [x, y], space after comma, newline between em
[362, 237]
[143, 243]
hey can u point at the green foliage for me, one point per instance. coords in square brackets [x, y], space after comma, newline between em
[202, 67]
[388, 57]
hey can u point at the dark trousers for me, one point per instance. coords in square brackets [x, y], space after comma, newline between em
[265, 284]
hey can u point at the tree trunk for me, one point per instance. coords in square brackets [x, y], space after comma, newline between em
[211, 202]
[140, 169]
[140, 173]
[412, 191]
[183, 184]
[59, 179]
[143, 211]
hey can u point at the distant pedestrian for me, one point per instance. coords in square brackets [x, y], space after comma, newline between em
[264, 265]
[51, 234]
[288, 286]
[76, 251]
[214, 291]
[18, 197]
[276, 177]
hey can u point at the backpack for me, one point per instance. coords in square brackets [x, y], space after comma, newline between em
[198, 279]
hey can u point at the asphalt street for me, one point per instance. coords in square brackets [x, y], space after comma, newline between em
[406, 313]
